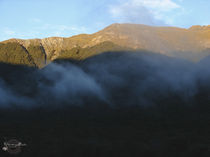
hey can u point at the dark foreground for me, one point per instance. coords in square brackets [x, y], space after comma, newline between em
[108, 132]
[172, 118]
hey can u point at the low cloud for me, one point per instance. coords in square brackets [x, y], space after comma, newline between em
[111, 79]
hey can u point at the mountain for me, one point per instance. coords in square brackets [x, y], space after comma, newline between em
[192, 44]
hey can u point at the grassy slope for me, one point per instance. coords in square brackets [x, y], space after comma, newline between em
[14, 53]
[82, 53]
[34, 55]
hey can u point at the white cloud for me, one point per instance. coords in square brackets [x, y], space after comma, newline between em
[45, 30]
[152, 12]
[159, 5]
[35, 20]
[8, 31]
[61, 30]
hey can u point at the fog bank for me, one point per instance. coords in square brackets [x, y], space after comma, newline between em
[114, 79]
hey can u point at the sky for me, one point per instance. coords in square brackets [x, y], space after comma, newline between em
[46, 18]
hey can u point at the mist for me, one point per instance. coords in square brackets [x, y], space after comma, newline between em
[112, 79]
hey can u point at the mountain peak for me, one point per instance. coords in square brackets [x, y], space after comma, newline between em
[199, 27]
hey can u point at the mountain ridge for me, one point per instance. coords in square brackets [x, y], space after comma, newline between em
[192, 43]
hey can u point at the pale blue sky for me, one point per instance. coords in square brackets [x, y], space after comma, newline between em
[45, 18]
